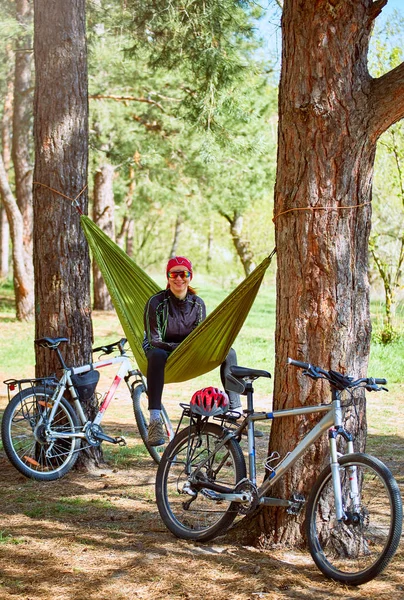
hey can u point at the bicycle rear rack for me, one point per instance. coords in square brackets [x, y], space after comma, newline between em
[227, 420]
[16, 386]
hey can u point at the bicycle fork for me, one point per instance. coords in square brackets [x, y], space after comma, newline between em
[333, 433]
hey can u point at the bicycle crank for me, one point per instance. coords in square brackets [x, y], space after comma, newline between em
[95, 435]
[219, 497]
[246, 487]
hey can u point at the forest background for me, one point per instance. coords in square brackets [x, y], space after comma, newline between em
[191, 177]
[187, 181]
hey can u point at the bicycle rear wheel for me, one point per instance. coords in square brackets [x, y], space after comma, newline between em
[357, 549]
[188, 513]
[24, 436]
[140, 408]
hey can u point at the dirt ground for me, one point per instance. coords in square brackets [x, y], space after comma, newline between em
[98, 536]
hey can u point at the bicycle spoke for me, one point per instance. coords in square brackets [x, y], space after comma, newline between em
[360, 546]
[186, 510]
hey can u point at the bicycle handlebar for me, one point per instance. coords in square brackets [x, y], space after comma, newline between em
[336, 379]
[298, 363]
[109, 348]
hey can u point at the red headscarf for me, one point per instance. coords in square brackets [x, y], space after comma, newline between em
[179, 260]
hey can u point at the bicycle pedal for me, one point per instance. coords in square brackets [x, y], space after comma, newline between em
[297, 501]
[120, 441]
[211, 495]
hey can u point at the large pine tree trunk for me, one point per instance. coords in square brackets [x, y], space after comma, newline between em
[329, 120]
[62, 273]
[103, 215]
[61, 258]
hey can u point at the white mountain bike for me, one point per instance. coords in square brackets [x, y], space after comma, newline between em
[43, 432]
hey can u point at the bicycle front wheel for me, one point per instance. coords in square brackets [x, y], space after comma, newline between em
[358, 548]
[189, 513]
[140, 408]
[26, 442]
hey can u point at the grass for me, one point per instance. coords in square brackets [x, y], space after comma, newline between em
[7, 538]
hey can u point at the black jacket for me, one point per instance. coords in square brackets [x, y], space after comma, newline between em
[168, 320]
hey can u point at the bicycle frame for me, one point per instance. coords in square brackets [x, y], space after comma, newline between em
[331, 421]
[65, 382]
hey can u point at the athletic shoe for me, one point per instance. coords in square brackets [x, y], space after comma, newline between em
[156, 435]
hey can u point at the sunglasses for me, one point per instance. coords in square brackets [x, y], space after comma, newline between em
[175, 274]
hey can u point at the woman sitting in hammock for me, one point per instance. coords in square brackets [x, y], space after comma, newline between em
[169, 317]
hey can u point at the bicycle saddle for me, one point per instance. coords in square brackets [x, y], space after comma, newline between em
[47, 342]
[235, 379]
[244, 372]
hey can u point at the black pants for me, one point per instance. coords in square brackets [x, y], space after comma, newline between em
[156, 363]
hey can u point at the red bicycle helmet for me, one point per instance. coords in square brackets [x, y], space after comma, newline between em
[209, 401]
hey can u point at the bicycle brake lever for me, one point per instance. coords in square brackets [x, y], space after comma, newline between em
[103, 349]
[311, 374]
[375, 388]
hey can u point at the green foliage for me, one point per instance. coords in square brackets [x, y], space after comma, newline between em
[387, 237]
[208, 42]
[386, 49]
[182, 154]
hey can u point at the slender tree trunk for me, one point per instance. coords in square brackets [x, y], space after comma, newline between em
[23, 292]
[4, 243]
[124, 237]
[330, 115]
[5, 138]
[130, 232]
[14, 218]
[210, 245]
[103, 215]
[241, 245]
[177, 232]
[21, 151]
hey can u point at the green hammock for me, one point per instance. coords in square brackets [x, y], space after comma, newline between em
[130, 288]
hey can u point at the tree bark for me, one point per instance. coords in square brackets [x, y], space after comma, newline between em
[103, 215]
[61, 260]
[61, 257]
[331, 113]
[21, 152]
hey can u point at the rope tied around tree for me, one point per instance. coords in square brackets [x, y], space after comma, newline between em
[74, 201]
[313, 208]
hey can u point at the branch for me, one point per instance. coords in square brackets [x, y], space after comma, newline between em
[386, 101]
[125, 99]
[226, 216]
[376, 8]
